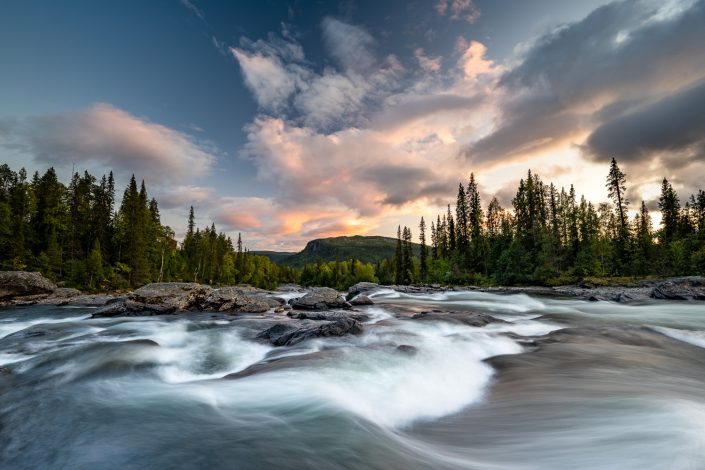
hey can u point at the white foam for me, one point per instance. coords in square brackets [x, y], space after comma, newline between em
[694, 337]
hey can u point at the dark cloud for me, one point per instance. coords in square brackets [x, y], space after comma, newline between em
[402, 185]
[621, 55]
[674, 125]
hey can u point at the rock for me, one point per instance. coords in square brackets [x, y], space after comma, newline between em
[21, 283]
[157, 299]
[361, 288]
[684, 288]
[321, 298]
[5, 371]
[406, 349]
[361, 300]
[464, 318]
[236, 299]
[65, 292]
[111, 310]
[171, 295]
[326, 316]
[283, 334]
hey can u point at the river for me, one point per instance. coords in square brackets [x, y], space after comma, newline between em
[560, 384]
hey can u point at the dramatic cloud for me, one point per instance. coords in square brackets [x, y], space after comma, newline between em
[107, 137]
[371, 138]
[623, 55]
[673, 126]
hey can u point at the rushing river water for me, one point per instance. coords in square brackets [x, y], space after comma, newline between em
[570, 384]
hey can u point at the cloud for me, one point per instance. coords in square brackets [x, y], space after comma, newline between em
[428, 64]
[193, 8]
[671, 127]
[107, 137]
[351, 46]
[622, 56]
[459, 9]
[267, 78]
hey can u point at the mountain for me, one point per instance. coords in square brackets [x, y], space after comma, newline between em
[367, 249]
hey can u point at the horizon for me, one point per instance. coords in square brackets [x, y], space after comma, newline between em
[289, 122]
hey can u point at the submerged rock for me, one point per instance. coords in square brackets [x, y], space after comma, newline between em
[684, 288]
[320, 298]
[326, 316]
[21, 284]
[406, 349]
[458, 317]
[283, 334]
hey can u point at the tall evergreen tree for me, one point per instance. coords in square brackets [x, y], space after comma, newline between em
[423, 253]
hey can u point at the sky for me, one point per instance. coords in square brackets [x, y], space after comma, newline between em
[294, 120]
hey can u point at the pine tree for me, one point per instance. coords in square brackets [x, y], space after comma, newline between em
[398, 261]
[423, 254]
[616, 189]
[670, 209]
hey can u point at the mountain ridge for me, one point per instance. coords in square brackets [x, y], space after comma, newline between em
[366, 248]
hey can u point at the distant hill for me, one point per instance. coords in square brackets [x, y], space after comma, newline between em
[367, 249]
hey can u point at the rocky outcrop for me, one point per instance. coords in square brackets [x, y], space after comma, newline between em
[320, 298]
[15, 284]
[458, 317]
[684, 288]
[172, 297]
[283, 334]
[158, 299]
[361, 300]
[237, 299]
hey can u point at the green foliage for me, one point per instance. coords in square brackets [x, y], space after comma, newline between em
[74, 234]
[338, 274]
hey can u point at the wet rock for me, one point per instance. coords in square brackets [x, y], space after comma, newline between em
[361, 300]
[115, 309]
[171, 295]
[21, 283]
[5, 371]
[320, 298]
[458, 317]
[361, 288]
[326, 316]
[236, 299]
[406, 349]
[283, 334]
[684, 288]
[157, 299]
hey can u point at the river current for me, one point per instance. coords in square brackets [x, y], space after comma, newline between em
[560, 384]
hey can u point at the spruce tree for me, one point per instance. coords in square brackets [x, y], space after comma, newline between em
[423, 254]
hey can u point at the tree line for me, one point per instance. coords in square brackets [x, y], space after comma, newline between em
[74, 234]
[552, 237]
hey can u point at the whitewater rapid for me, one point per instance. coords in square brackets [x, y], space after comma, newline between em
[195, 390]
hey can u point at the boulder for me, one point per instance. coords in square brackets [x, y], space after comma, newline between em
[171, 295]
[283, 334]
[320, 298]
[326, 316]
[21, 284]
[463, 318]
[236, 299]
[157, 299]
[361, 288]
[683, 288]
[361, 300]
